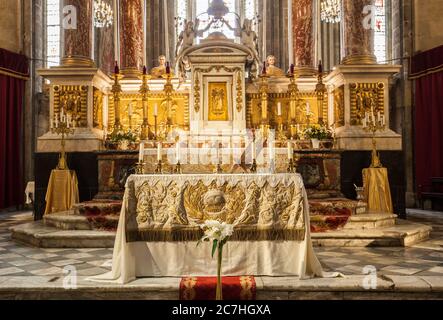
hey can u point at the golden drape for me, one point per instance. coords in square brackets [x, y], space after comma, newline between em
[62, 192]
[377, 191]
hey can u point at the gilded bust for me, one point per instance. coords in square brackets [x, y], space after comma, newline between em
[271, 69]
[158, 72]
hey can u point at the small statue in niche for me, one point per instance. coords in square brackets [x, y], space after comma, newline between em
[271, 69]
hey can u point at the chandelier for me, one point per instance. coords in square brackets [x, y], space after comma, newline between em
[103, 14]
[330, 11]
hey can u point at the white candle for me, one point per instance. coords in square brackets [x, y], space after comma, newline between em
[159, 151]
[130, 109]
[155, 110]
[254, 151]
[290, 152]
[177, 151]
[141, 152]
[52, 124]
[308, 108]
[279, 109]
[56, 121]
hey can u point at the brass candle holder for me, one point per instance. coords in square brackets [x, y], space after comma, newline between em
[290, 168]
[169, 91]
[264, 126]
[158, 168]
[373, 124]
[253, 168]
[145, 132]
[293, 93]
[116, 92]
[177, 169]
[140, 167]
[62, 125]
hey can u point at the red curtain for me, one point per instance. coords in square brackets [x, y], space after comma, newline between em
[13, 74]
[427, 70]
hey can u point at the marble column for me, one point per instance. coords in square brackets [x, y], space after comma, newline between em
[357, 32]
[303, 30]
[131, 30]
[78, 35]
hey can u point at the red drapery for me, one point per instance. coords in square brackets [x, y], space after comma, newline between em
[427, 70]
[13, 74]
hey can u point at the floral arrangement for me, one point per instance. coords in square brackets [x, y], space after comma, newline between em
[317, 132]
[218, 233]
[122, 135]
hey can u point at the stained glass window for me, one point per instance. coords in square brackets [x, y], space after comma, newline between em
[52, 33]
[250, 9]
[380, 31]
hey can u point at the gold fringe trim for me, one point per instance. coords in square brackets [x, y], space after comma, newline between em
[13, 74]
[426, 72]
[195, 234]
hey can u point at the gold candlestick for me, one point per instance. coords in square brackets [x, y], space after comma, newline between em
[178, 169]
[140, 167]
[145, 132]
[116, 91]
[169, 91]
[293, 93]
[373, 125]
[65, 127]
[264, 126]
[320, 90]
[159, 169]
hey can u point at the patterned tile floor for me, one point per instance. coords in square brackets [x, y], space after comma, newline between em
[424, 259]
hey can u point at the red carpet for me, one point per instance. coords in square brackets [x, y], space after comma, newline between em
[203, 288]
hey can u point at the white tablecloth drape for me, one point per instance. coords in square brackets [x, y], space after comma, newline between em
[157, 259]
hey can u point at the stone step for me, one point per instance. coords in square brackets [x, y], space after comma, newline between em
[39, 235]
[371, 220]
[404, 233]
[69, 221]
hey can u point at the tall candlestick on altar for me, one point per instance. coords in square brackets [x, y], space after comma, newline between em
[290, 151]
[141, 152]
[177, 151]
[159, 151]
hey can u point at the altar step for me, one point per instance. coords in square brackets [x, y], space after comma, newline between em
[403, 233]
[38, 234]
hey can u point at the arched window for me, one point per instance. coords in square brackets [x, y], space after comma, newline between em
[52, 33]
[380, 32]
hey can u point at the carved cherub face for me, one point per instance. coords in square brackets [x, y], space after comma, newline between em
[270, 60]
[162, 60]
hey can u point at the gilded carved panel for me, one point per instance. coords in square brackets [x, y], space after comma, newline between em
[74, 100]
[339, 106]
[364, 98]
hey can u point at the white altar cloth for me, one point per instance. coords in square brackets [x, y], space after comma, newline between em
[267, 258]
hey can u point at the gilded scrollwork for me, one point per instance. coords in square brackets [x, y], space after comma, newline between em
[73, 99]
[257, 211]
[364, 98]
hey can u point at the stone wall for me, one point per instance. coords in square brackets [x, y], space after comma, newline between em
[428, 24]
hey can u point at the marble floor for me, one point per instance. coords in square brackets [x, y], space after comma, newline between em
[422, 260]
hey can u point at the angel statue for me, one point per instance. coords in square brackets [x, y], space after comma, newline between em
[248, 38]
[185, 41]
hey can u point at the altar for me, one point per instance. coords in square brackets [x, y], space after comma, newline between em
[158, 237]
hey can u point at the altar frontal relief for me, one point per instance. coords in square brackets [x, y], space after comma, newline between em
[218, 101]
[171, 208]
